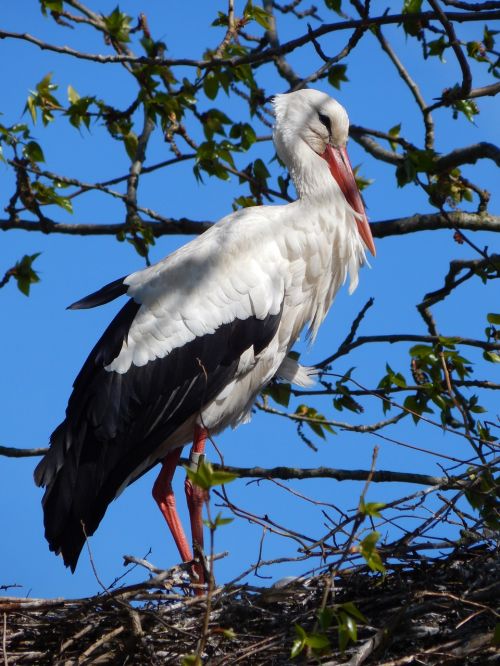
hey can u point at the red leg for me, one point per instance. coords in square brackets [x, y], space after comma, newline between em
[196, 496]
[165, 498]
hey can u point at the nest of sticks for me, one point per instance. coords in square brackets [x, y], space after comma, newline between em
[439, 612]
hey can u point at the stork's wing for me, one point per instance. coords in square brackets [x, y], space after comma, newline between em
[154, 368]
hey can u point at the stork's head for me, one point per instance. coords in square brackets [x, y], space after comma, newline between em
[310, 120]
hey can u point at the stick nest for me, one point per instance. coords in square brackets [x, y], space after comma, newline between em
[439, 612]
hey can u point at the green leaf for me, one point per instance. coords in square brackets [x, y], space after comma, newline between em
[368, 550]
[318, 642]
[220, 520]
[205, 477]
[131, 142]
[343, 637]
[220, 477]
[24, 274]
[257, 14]
[492, 357]
[361, 182]
[336, 75]
[352, 628]
[412, 27]
[496, 634]
[211, 85]
[394, 132]
[31, 107]
[260, 170]
[47, 195]
[43, 99]
[33, 152]
[412, 6]
[437, 47]
[221, 20]
[191, 660]
[467, 107]
[118, 25]
[352, 610]
[217, 522]
[334, 5]
[493, 318]
[326, 617]
[371, 508]
[73, 96]
[416, 405]
[489, 37]
[51, 6]
[280, 393]
[299, 643]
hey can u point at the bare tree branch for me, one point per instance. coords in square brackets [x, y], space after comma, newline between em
[455, 45]
[432, 221]
[404, 337]
[382, 229]
[262, 56]
[467, 155]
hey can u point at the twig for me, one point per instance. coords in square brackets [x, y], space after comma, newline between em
[413, 87]
[4, 640]
[455, 45]
[103, 639]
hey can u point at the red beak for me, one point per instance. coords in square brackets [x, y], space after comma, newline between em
[341, 170]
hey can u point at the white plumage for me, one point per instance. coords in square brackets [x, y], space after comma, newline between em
[208, 327]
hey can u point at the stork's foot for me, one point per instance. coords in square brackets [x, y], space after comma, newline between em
[196, 498]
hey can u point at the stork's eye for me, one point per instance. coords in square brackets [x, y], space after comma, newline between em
[325, 120]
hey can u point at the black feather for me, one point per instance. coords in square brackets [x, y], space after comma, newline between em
[104, 295]
[114, 422]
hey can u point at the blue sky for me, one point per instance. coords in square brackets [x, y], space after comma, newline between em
[44, 345]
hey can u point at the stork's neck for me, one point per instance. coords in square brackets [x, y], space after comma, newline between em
[311, 175]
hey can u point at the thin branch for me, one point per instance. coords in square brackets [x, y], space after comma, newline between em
[404, 337]
[382, 229]
[476, 6]
[432, 221]
[485, 91]
[455, 94]
[364, 428]
[467, 155]
[457, 157]
[413, 87]
[455, 45]
[324, 69]
[380, 476]
[411, 388]
[255, 58]
[284, 68]
[450, 283]
[374, 148]
[166, 228]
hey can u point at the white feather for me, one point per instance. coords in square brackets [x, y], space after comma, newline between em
[255, 262]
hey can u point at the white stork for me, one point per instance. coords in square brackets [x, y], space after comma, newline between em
[204, 331]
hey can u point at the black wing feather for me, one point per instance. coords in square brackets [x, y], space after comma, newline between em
[114, 422]
[104, 295]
